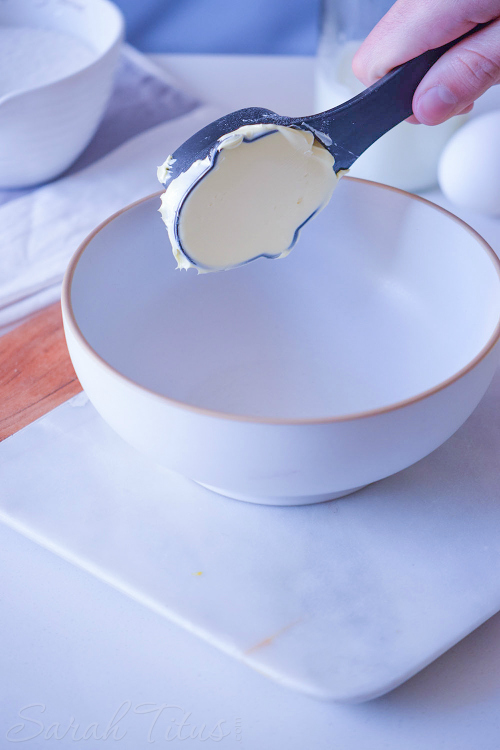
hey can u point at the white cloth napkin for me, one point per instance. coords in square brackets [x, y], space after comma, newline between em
[42, 228]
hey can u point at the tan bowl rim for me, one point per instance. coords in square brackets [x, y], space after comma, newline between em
[70, 320]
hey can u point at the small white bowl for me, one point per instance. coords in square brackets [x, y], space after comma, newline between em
[292, 381]
[44, 129]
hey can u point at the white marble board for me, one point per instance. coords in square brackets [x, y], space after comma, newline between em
[343, 600]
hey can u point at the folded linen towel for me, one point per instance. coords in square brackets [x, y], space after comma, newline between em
[41, 228]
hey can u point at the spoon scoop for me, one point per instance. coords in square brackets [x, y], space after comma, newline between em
[345, 132]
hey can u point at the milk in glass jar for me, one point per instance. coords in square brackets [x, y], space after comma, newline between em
[405, 157]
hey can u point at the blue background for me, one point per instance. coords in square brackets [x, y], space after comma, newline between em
[228, 26]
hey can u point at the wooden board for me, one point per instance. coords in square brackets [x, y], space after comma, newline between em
[36, 374]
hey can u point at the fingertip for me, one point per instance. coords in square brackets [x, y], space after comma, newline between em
[435, 105]
[465, 111]
[359, 66]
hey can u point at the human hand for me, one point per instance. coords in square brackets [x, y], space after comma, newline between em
[460, 76]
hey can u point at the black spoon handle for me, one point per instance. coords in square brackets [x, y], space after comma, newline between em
[359, 122]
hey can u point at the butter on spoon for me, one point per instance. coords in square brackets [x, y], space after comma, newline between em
[251, 197]
[242, 187]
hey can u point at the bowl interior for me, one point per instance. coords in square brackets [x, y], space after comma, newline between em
[98, 23]
[383, 298]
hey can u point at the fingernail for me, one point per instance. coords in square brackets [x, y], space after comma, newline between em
[435, 105]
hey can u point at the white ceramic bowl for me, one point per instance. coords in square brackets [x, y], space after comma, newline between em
[44, 129]
[297, 380]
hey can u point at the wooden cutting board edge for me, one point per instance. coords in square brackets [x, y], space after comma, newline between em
[36, 373]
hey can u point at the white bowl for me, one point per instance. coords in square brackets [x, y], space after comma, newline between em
[291, 381]
[44, 129]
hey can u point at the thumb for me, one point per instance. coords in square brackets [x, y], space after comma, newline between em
[459, 77]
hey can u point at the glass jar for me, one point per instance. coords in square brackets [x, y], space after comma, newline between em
[405, 157]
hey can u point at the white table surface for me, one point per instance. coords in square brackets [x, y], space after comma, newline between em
[80, 659]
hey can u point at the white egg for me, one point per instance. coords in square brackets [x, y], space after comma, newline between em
[469, 167]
